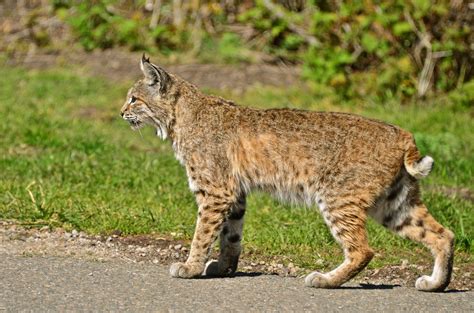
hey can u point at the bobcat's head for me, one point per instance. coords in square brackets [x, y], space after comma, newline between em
[151, 101]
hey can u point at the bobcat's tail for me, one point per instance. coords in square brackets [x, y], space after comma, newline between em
[416, 165]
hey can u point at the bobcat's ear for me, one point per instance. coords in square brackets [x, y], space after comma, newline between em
[154, 75]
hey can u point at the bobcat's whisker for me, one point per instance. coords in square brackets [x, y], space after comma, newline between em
[140, 132]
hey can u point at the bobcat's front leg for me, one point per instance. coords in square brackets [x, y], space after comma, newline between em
[212, 211]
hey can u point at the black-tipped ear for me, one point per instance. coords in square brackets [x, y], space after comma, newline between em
[154, 74]
[145, 59]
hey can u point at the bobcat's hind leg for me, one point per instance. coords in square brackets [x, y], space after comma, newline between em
[230, 239]
[418, 225]
[347, 225]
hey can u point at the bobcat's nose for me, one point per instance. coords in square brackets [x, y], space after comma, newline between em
[121, 114]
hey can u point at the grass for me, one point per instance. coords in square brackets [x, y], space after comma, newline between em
[68, 160]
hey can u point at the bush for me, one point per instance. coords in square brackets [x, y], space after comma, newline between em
[410, 47]
[388, 48]
[98, 25]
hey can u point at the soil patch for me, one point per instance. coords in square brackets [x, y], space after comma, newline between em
[122, 66]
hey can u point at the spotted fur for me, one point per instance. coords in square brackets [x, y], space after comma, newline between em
[349, 166]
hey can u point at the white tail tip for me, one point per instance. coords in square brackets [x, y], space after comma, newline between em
[421, 168]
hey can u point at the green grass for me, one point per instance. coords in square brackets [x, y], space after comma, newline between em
[68, 160]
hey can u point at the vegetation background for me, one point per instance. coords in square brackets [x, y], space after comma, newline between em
[68, 161]
[389, 48]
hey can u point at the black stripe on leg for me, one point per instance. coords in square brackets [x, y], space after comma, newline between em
[394, 192]
[234, 238]
[396, 187]
[200, 192]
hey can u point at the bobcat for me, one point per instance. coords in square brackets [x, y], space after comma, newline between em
[349, 166]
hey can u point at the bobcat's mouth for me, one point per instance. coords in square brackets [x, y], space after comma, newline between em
[135, 124]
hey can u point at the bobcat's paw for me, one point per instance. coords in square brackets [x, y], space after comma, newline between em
[427, 283]
[213, 269]
[318, 280]
[183, 270]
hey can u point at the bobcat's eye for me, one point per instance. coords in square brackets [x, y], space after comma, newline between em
[132, 100]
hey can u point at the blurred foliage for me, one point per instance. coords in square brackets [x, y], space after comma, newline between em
[391, 48]
[98, 25]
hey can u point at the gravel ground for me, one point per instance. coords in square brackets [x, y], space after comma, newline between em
[16, 240]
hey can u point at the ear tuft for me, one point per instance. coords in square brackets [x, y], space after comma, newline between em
[145, 59]
[154, 74]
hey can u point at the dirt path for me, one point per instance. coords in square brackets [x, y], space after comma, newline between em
[122, 66]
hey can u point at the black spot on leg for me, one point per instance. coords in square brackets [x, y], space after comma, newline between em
[395, 188]
[334, 220]
[200, 192]
[423, 234]
[236, 214]
[234, 238]
[406, 222]
[419, 223]
[340, 233]
[399, 228]
[300, 188]
[386, 220]
[351, 249]
[225, 230]
[218, 203]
